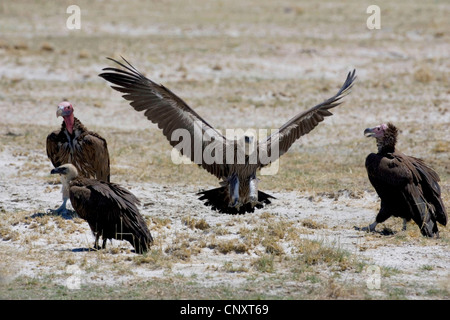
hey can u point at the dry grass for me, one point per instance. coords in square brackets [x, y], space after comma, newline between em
[239, 64]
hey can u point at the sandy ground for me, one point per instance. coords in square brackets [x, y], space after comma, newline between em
[418, 265]
[256, 71]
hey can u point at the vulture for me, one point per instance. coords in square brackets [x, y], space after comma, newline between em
[233, 161]
[407, 186]
[110, 210]
[75, 144]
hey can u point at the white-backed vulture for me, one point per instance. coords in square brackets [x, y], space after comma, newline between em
[75, 144]
[407, 187]
[110, 210]
[229, 160]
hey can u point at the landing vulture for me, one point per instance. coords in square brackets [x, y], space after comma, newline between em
[228, 159]
[110, 209]
[408, 188]
[75, 144]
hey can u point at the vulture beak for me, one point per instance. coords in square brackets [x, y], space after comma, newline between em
[60, 112]
[369, 132]
[58, 170]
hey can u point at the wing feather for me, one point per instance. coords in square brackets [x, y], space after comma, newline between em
[306, 121]
[162, 107]
[57, 155]
[111, 210]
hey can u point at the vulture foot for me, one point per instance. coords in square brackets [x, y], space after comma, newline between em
[63, 212]
[236, 204]
[254, 201]
[370, 228]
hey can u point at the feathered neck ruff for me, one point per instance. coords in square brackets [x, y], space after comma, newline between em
[386, 144]
[75, 124]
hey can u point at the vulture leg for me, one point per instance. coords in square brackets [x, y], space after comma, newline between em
[253, 184]
[96, 246]
[404, 224]
[234, 191]
[62, 210]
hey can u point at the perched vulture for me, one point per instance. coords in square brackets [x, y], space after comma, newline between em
[407, 187]
[75, 144]
[228, 159]
[110, 209]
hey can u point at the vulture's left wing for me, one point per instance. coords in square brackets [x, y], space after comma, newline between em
[305, 121]
[431, 189]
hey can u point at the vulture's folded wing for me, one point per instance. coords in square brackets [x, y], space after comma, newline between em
[95, 155]
[431, 190]
[58, 156]
[392, 171]
[108, 202]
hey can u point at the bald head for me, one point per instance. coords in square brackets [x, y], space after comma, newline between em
[65, 109]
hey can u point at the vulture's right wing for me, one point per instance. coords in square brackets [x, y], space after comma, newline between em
[94, 156]
[306, 121]
[170, 113]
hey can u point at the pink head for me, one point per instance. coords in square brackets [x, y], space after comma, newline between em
[376, 132]
[65, 110]
[386, 136]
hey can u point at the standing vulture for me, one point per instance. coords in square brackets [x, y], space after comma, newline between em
[109, 209]
[227, 159]
[408, 188]
[75, 144]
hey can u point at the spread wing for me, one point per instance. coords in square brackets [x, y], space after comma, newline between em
[304, 122]
[182, 126]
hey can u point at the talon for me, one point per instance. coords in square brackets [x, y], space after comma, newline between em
[60, 211]
[370, 228]
[254, 201]
[235, 204]
[362, 229]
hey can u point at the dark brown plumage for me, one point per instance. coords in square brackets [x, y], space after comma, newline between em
[239, 193]
[75, 144]
[407, 187]
[110, 210]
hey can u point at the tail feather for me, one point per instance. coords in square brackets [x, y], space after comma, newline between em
[218, 199]
[141, 243]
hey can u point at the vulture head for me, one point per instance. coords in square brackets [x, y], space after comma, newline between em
[386, 136]
[67, 171]
[65, 110]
